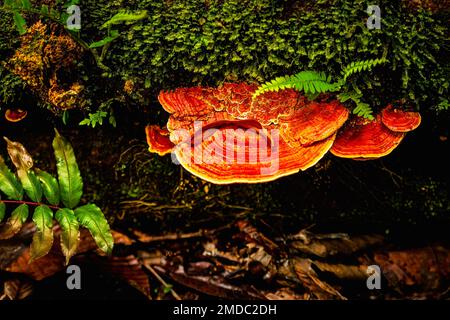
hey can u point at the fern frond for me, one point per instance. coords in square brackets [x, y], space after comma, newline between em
[362, 109]
[359, 66]
[310, 82]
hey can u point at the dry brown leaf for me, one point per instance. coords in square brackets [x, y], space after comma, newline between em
[17, 289]
[216, 285]
[54, 261]
[127, 268]
[323, 247]
[426, 268]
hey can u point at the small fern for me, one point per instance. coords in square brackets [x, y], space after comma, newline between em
[307, 81]
[313, 83]
[362, 109]
[359, 66]
[31, 187]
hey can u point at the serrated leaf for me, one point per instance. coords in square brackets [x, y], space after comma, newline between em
[43, 237]
[91, 217]
[9, 184]
[50, 186]
[69, 177]
[2, 211]
[15, 222]
[70, 235]
[30, 184]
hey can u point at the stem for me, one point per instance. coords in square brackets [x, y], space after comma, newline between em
[35, 204]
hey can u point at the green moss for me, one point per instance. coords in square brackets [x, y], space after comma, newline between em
[197, 42]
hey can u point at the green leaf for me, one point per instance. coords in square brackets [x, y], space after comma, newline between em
[50, 186]
[9, 184]
[15, 222]
[44, 9]
[114, 34]
[310, 82]
[91, 217]
[70, 235]
[2, 211]
[69, 177]
[26, 4]
[20, 23]
[43, 238]
[30, 184]
[124, 17]
[65, 117]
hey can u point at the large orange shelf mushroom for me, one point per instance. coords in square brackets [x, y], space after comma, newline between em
[313, 122]
[223, 136]
[399, 120]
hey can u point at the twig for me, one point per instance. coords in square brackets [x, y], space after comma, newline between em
[142, 237]
[165, 284]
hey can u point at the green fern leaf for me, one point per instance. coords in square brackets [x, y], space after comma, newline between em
[308, 81]
[124, 17]
[70, 235]
[43, 238]
[30, 184]
[359, 66]
[50, 186]
[15, 222]
[9, 184]
[69, 177]
[91, 217]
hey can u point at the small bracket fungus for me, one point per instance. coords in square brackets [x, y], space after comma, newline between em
[399, 120]
[15, 115]
[362, 139]
[158, 140]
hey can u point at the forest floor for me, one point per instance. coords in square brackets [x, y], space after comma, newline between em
[309, 236]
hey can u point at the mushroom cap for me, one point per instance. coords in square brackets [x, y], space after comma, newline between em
[158, 140]
[185, 101]
[399, 120]
[15, 115]
[234, 98]
[269, 107]
[245, 152]
[366, 139]
[313, 122]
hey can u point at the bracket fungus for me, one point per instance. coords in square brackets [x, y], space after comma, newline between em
[224, 136]
[399, 120]
[158, 140]
[364, 139]
[15, 115]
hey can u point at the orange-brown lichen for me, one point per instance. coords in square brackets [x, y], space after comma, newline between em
[44, 53]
